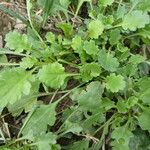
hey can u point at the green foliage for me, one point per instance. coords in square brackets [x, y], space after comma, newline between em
[14, 84]
[50, 37]
[28, 62]
[106, 2]
[140, 140]
[144, 119]
[135, 19]
[52, 75]
[36, 122]
[108, 61]
[95, 29]
[90, 70]
[115, 36]
[84, 83]
[80, 145]
[90, 47]
[26, 102]
[46, 141]
[122, 137]
[114, 83]
[48, 4]
[17, 42]
[66, 27]
[90, 98]
[144, 5]
[77, 44]
[144, 90]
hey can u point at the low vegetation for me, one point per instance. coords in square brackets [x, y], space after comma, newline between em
[81, 84]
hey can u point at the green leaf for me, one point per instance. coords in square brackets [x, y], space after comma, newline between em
[52, 75]
[136, 59]
[114, 83]
[144, 5]
[79, 145]
[3, 59]
[55, 48]
[72, 118]
[132, 101]
[28, 62]
[121, 11]
[122, 106]
[144, 119]
[72, 127]
[50, 37]
[77, 44]
[90, 47]
[93, 120]
[72, 114]
[13, 84]
[107, 61]
[26, 102]
[90, 98]
[140, 141]
[115, 36]
[95, 29]
[48, 4]
[128, 70]
[88, 71]
[144, 94]
[106, 2]
[144, 69]
[52, 7]
[107, 103]
[121, 136]
[65, 3]
[145, 32]
[41, 117]
[66, 27]
[45, 141]
[134, 20]
[15, 41]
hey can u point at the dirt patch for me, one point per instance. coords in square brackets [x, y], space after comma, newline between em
[9, 23]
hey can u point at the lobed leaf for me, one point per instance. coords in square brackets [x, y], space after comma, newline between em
[106, 2]
[90, 47]
[107, 61]
[90, 70]
[90, 98]
[135, 19]
[114, 83]
[41, 117]
[16, 41]
[95, 29]
[144, 119]
[53, 75]
[14, 83]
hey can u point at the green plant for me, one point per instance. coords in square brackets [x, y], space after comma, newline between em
[108, 56]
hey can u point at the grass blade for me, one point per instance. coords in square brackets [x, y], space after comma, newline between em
[47, 9]
[13, 14]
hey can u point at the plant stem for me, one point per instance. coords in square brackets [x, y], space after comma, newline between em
[69, 63]
[26, 121]
[106, 125]
[2, 51]
[29, 6]
[108, 121]
[9, 64]
[132, 35]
